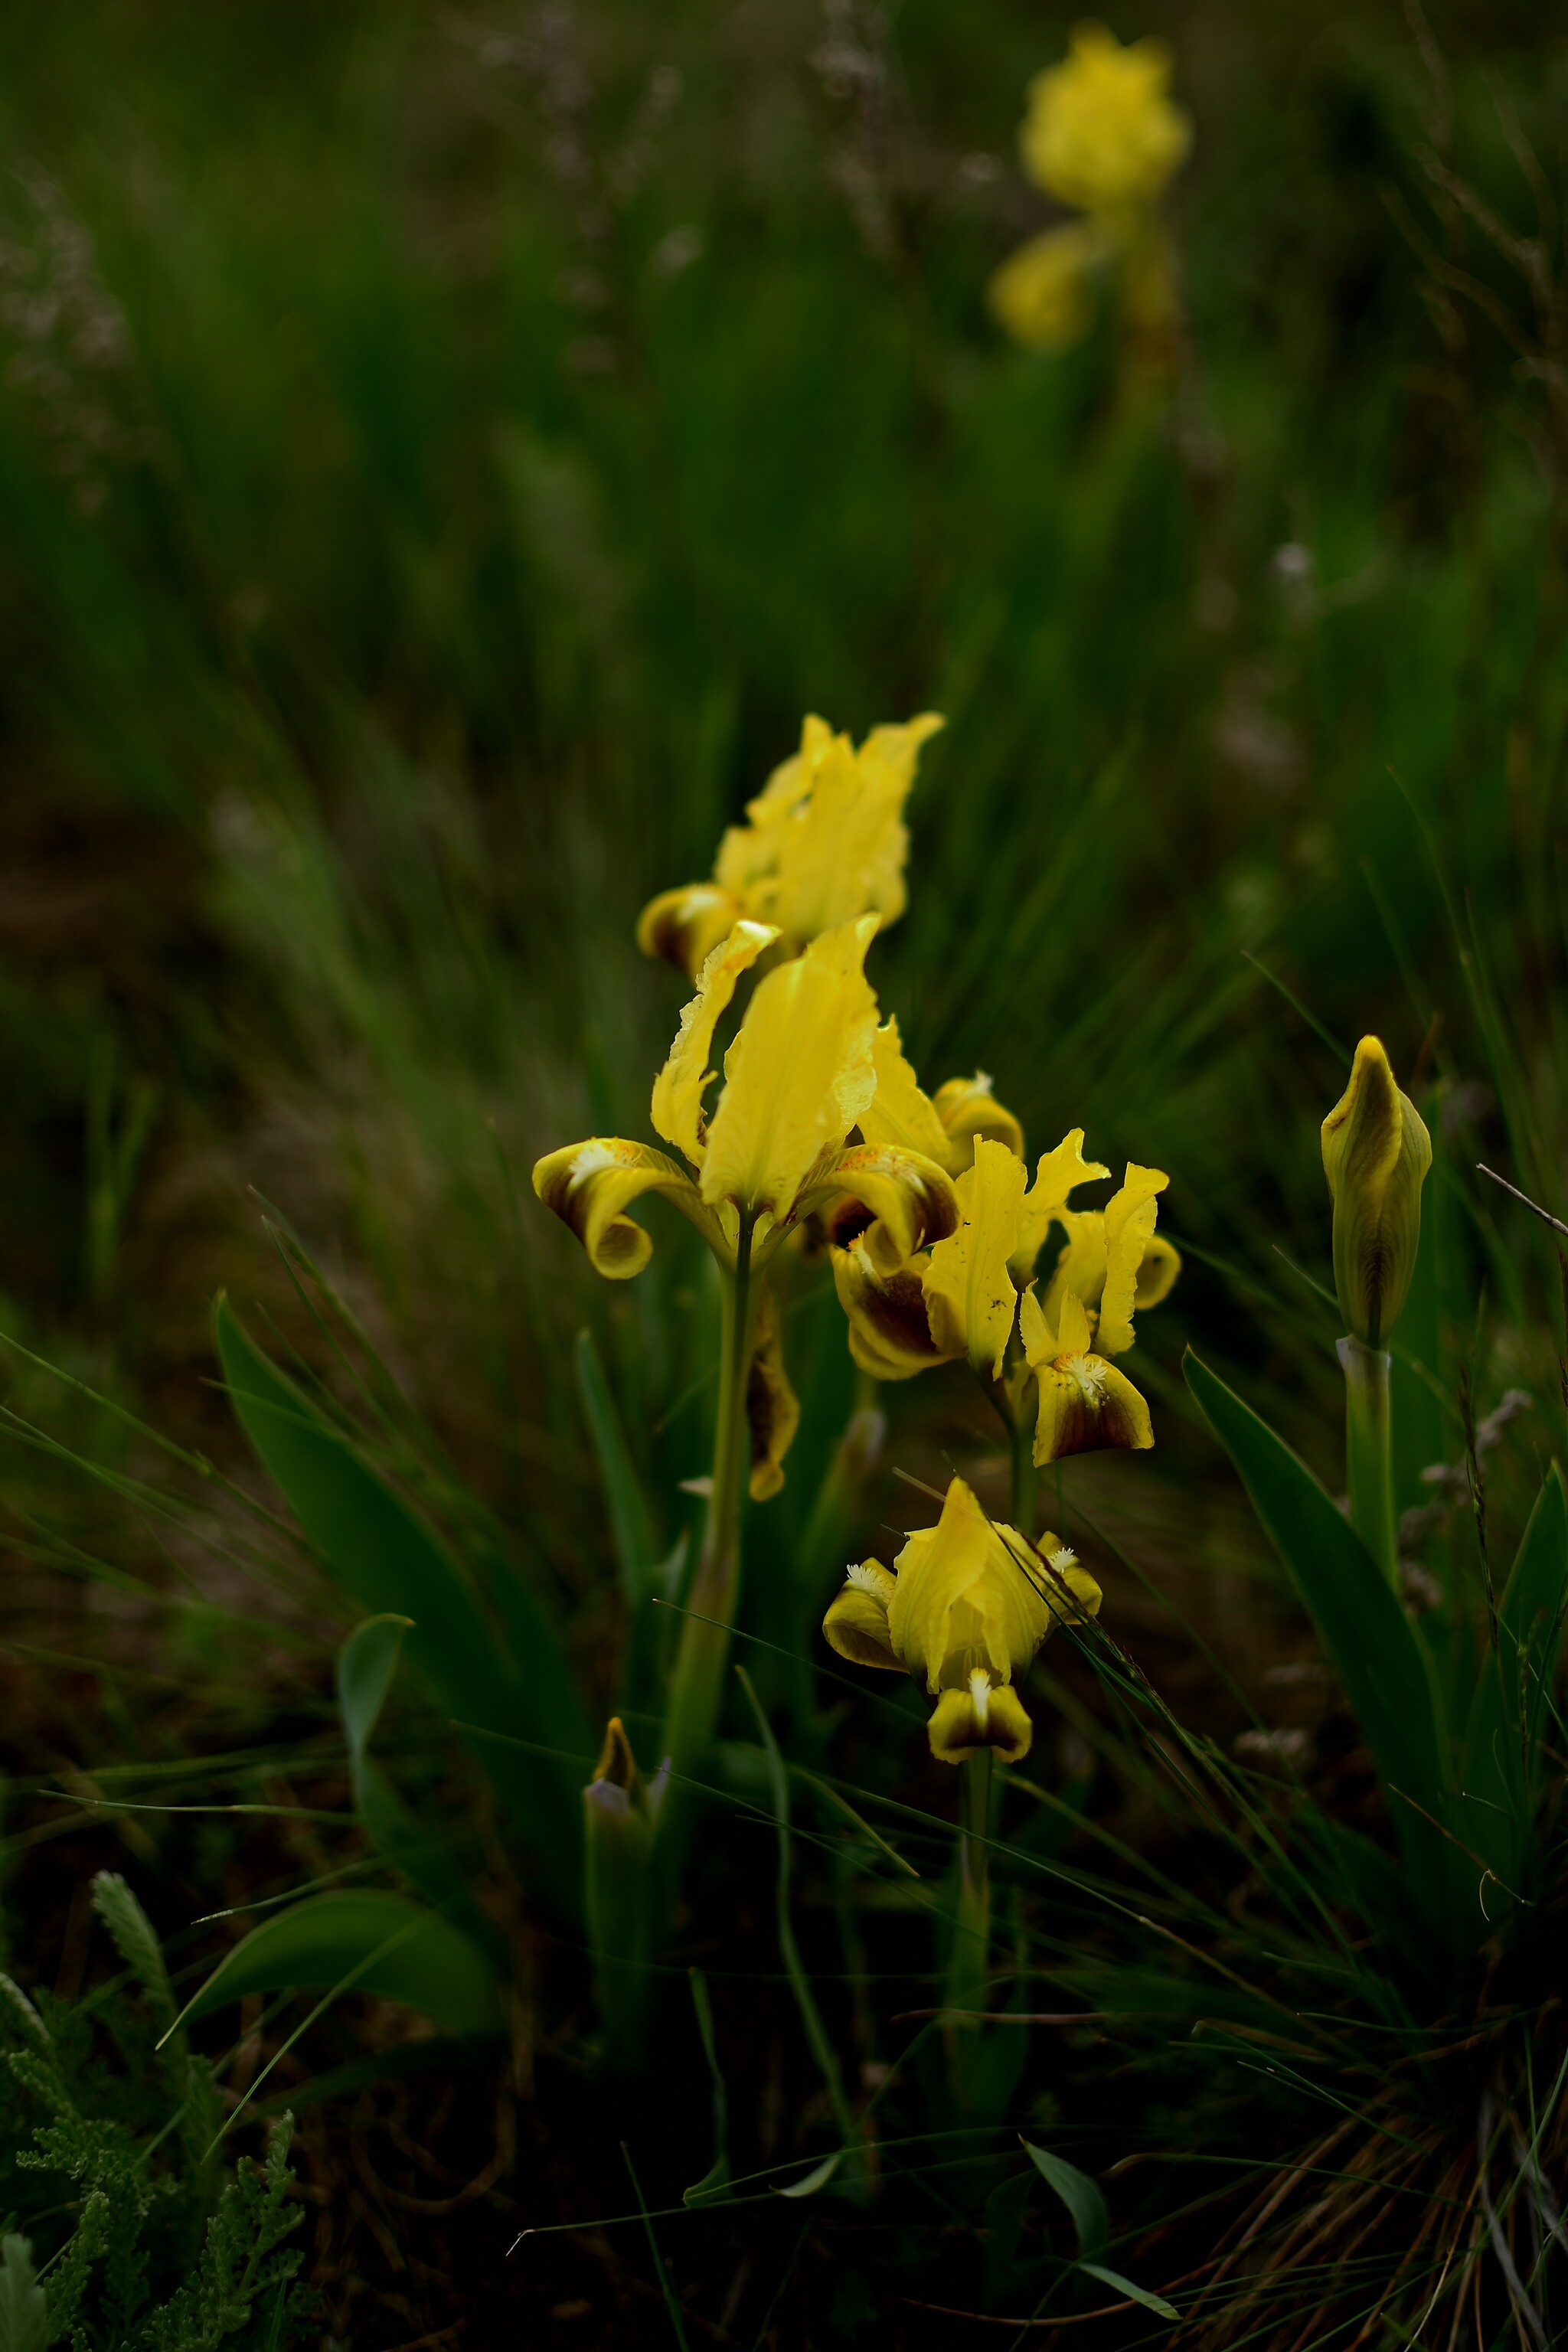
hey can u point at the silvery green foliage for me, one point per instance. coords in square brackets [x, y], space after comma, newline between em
[113, 2171]
[23, 2324]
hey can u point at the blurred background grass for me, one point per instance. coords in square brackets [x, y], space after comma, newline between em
[445, 450]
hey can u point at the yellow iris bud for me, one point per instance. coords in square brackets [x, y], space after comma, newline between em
[1376, 1152]
[969, 1604]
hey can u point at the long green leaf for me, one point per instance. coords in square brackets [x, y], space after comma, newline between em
[1079, 2194]
[422, 1850]
[717, 2177]
[631, 1527]
[378, 1547]
[366, 1943]
[1501, 1746]
[816, 2034]
[1366, 1633]
[1130, 2289]
[1529, 1616]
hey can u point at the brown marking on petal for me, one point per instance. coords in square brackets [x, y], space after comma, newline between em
[682, 926]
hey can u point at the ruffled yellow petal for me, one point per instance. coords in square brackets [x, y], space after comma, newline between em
[970, 1297]
[967, 1596]
[1058, 1176]
[677, 1110]
[1101, 131]
[590, 1185]
[890, 1336]
[1082, 1267]
[856, 1621]
[825, 841]
[892, 1200]
[797, 1076]
[979, 1715]
[684, 926]
[968, 1110]
[772, 1409]
[1129, 1217]
[901, 1113]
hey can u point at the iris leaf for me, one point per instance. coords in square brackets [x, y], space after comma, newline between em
[379, 1549]
[362, 1943]
[1375, 1649]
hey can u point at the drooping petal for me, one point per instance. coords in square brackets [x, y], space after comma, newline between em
[968, 1110]
[1071, 1592]
[685, 925]
[856, 1621]
[1058, 1176]
[910, 1202]
[967, 1596]
[900, 1112]
[1157, 1271]
[797, 1076]
[980, 1715]
[969, 1297]
[1087, 1404]
[772, 1409]
[1130, 1216]
[677, 1109]
[890, 1336]
[590, 1185]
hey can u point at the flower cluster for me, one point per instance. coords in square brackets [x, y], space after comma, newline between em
[934, 1222]
[972, 1293]
[934, 1226]
[1103, 135]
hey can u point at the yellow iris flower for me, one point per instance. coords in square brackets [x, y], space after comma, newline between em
[824, 842]
[1103, 134]
[1103, 130]
[965, 1609]
[969, 1292]
[800, 1074]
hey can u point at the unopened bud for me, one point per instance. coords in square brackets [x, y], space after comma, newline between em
[619, 1812]
[1376, 1152]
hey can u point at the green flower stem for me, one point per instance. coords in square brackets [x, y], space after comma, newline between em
[1369, 1452]
[704, 1648]
[969, 1971]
